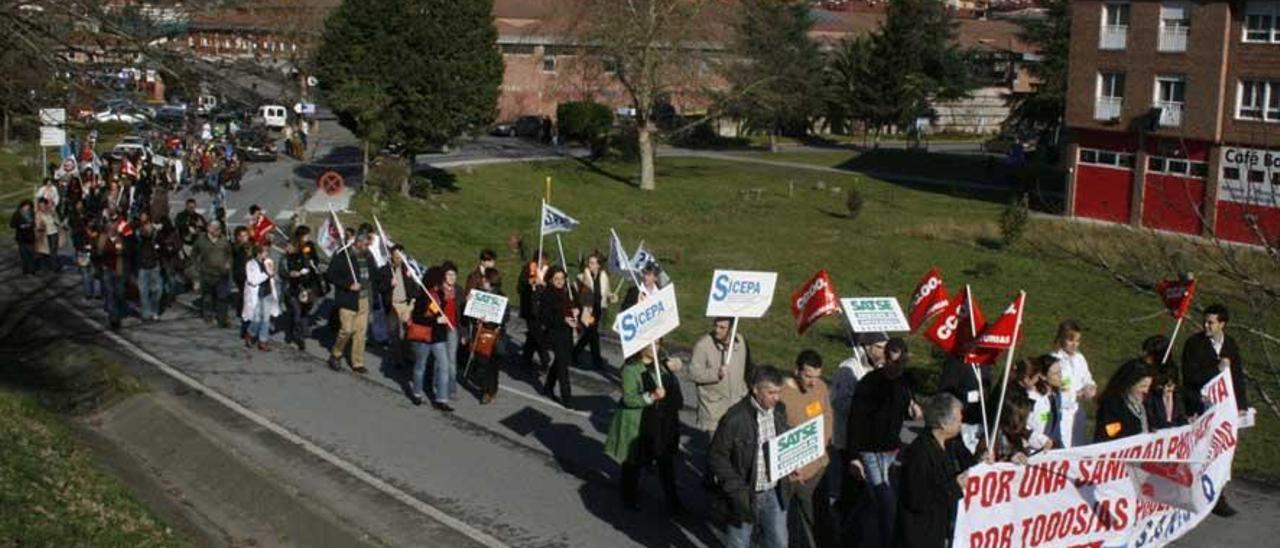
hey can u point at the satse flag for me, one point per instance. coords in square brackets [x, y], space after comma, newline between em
[554, 220]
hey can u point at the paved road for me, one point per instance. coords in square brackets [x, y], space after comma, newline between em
[523, 469]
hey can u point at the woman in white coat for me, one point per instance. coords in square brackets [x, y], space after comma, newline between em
[261, 298]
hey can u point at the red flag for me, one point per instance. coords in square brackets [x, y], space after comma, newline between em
[261, 230]
[128, 169]
[957, 326]
[929, 299]
[1176, 295]
[1001, 334]
[814, 300]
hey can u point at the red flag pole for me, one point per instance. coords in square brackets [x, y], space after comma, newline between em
[1008, 364]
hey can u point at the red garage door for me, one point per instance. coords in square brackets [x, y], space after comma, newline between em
[1104, 193]
[1173, 203]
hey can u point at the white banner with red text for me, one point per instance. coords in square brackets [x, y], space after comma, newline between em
[1140, 491]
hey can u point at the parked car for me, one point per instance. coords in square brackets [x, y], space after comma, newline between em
[171, 118]
[531, 126]
[128, 117]
[503, 129]
[255, 146]
[272, 116]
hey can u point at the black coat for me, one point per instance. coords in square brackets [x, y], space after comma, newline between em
[660, 422]
[732, 460]
[880, 405]
[554, 307]
[340, 275]
[928, 493]
[1115, 420]
[1156, 411]
[958, 380]
[1200, 365]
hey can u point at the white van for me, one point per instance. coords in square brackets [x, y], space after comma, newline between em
[273, 116]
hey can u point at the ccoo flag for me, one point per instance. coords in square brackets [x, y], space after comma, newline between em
[957, 325]
[554, 220]
[929, 299]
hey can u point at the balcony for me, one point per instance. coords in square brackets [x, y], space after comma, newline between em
[1107, 108]
[1173, 39]
[1170, 114]
[1113, 37]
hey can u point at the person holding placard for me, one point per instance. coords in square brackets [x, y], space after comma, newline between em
[805, 396]
[748, 499]
[720, 384]
[488, 335]
[646, 426]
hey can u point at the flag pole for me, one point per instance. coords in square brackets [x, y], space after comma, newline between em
[1008, 364]
[342, 235]
[733, 335]
[982, 398]
[414, 274]
[564, 265]
[542, 217]
[1169, 347]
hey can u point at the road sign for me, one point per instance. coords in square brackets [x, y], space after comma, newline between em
[53, 116]
[51, 136]
[330, 182]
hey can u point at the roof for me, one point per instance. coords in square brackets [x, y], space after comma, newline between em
[995, 35]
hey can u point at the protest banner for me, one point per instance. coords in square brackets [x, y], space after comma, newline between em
[1177, 295]
[648, 320]
[1141, 491]
[485, 306]
[814, 300]
[871, 314]
[929, 298]
[739, 294]
[796, 447]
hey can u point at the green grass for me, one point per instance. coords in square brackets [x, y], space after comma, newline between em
[52, 494]
[698, 220]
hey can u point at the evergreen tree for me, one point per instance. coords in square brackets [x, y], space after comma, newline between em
[848, 82]
[1042, 109]
[411, 74]
[915, 61]
[777, 81]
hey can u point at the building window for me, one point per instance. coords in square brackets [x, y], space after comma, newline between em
[1258, 100]
[1115, 25]
[1262, 21]
[1171, 96]
[1098, 157]
[1177, 166]
[1110, 96]
[516, 49]
[548, 63]
[1175, 25]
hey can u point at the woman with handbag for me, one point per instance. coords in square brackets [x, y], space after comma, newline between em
[427, 332]
[302, 264]
[485, 343]
[261, 299]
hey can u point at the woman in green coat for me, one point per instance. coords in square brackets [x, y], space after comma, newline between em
[646, 426]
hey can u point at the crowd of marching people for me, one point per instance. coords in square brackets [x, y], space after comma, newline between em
[869, 489]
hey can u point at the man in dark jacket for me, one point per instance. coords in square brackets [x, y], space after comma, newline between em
[351, 272]
[881, 403]
[1204, 355]
[930, 479]
[396, 291]
[749, 498]
[530, 287]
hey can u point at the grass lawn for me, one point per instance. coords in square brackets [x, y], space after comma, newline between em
[700, 219]
[52, 494]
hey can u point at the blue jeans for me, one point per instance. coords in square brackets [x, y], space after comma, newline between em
[770, 517]
[877, 466]
[421, 352]
[451, 354]
[260, 324]
[112, 296]
[150, 289]
[89, 280]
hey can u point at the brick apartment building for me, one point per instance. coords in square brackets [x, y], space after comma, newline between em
[1175, 110]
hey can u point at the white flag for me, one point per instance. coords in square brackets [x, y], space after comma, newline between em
[329, 239]
[554, 220]
[619, 262]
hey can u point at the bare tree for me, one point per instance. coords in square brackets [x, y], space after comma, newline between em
[659, 50]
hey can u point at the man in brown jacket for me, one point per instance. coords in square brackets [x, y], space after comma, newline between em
[806, 396]
[720, 384]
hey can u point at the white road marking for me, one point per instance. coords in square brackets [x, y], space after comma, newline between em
[543, 400]
[345, 466]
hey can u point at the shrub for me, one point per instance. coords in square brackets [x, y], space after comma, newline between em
[387, 176]
[1013, 221]
[586, 122]
[853, 202]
